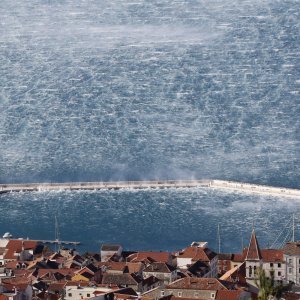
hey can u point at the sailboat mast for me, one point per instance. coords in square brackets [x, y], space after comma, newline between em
[219, 238]
[293, 229]
[57, 235]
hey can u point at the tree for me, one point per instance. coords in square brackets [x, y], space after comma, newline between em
[268, 288]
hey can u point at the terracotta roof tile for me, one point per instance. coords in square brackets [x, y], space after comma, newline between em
[155, 256]
[197, 284]
[120, 279]
[110, 247]
[272, 255]
[17, 245]
[253, 252]
[292, 248]
[159, 267]
[228, 295]
[198, 253]
[56, 286]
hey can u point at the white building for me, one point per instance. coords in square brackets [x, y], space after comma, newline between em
[292, 260]
[109, 250]
[198, 252]
[78, 293]
[270, 260]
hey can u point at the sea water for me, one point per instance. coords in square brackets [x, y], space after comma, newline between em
[133, 90]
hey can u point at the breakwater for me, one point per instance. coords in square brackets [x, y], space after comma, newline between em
[115, 185]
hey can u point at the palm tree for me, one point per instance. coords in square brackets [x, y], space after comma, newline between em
[268, 288]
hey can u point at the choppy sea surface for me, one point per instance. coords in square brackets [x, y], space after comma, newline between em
[128, 90]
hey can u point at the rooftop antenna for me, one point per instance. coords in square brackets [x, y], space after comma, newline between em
[57, 235]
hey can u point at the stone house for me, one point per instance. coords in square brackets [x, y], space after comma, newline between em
[109, 250]
[195, 253]
[162, 271]
[292, 259]
[193, 288]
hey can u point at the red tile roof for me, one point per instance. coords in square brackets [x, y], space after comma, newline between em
[272, 255]
[197, 284]
[17, 245]
[56, 286]
[158, 267]
[198, 253]
[156, 256]
[253, 252]
[228, 295]
[292, 248]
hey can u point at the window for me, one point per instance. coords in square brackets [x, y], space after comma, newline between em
[290, 260]
[162, 293]
[250, 271]
[254, 270]
[299, 270]
[212, 295]
[271, 265]
[279, 265]
[290, 270]
[179, 294]
[88, 295]
[279, 273]
[70, 295]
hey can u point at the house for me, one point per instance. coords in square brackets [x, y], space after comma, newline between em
[192, 288]
[121, 267]
[267, 259]
[149, 257]
[273, 261]
[17, 289]
[164, 272]
[198, 252]
[123, 280]
[198, 269]
[224, 263]
[291, 254]
[88, 273]
[109, 250]
[236, 275]
[150, 283]
[20, 250]
[79, 292]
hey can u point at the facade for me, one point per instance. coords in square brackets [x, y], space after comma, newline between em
[292, 259]
[78, 293]
[270, 260]
[224, 262]
[273, 261]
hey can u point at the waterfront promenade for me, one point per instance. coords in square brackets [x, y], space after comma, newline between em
[116, 185]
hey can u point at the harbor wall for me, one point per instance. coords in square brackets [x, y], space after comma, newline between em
[115, 185]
